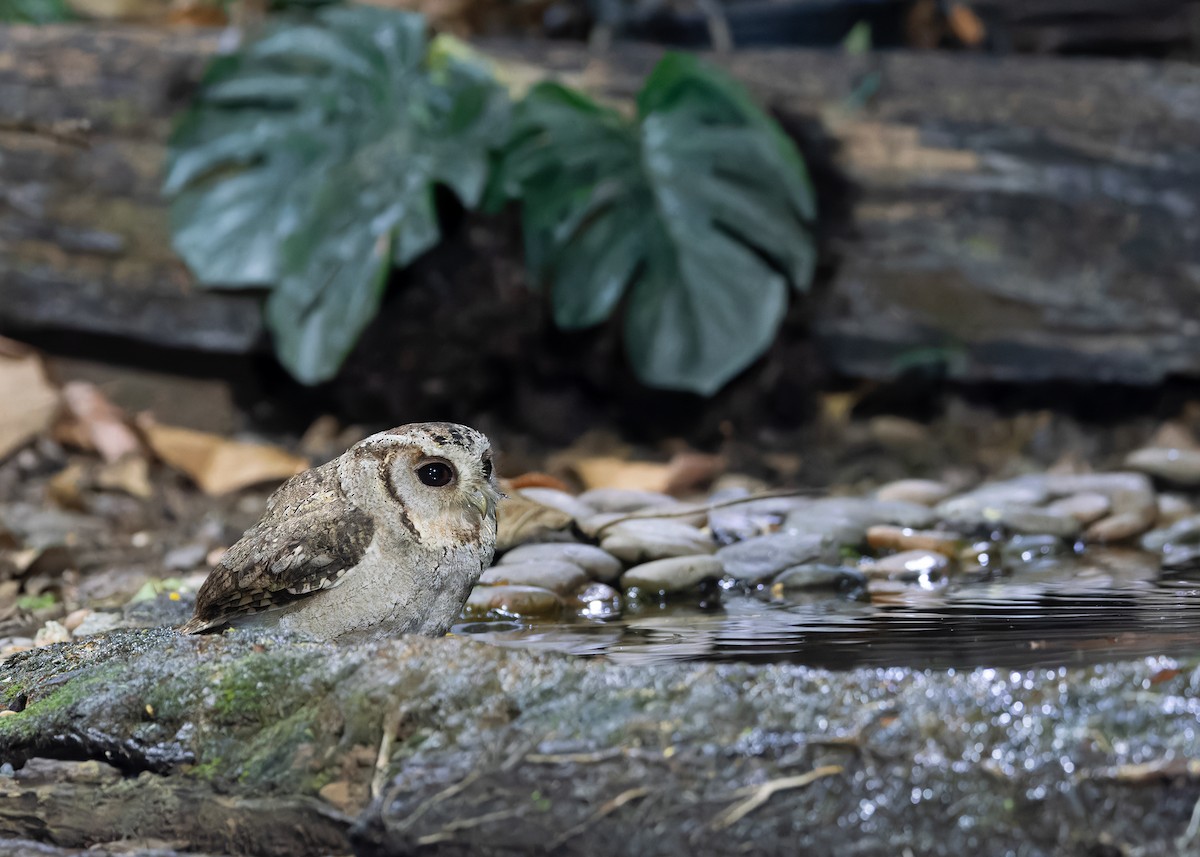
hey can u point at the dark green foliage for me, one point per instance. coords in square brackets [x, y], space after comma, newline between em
[34, 11]
[698, 208]
[309, 165]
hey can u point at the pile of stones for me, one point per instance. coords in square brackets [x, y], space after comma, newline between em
[619, 545]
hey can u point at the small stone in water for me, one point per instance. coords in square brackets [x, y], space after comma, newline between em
[1038, 522]
[1085, 507]
[643, 540]
[926, 492]
[1183, 531]
[831, 528]
[1022, 550]
[1115, 528]
[915, 565]
[1172, 507]
[888, 537]
[819, 576]
[674, 574]
[511, 601]
[1181, 466]
[765, 556]
[556, 575]
[597, 601]
[598, 563]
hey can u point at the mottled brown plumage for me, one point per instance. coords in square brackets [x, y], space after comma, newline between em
[365, 545]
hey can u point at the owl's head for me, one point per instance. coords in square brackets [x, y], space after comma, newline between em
[434, 480]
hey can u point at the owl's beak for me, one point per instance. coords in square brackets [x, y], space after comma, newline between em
[483, 499]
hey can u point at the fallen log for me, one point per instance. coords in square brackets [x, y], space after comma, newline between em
[455, 747]
[1002, 219]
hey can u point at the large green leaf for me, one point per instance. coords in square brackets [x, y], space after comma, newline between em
[308, 165]
[697, 214]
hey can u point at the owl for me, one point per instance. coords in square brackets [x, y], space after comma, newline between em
[386, 539]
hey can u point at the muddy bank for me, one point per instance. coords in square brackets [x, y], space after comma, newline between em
[449, 746]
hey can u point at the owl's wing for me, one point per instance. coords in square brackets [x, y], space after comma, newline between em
[309, 538]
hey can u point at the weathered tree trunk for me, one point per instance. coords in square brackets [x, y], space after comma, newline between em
[1009, 219]
[84, 239]
[471, 749]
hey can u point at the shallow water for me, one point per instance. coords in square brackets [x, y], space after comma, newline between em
[1100, 608]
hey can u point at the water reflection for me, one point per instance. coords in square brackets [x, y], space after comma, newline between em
[1102, 608]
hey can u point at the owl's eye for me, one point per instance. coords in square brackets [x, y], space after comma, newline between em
[435, 474]
[487, 468]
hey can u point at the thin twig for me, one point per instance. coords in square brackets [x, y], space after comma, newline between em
[462, 785]
[391, 724]
[607, 809]
[450, 829]
[761, 794]
[653, 513]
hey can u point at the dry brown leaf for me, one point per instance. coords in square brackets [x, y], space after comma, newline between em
[65, 488]
[966, 25]
[608, 471]
[95, 423]
[30, 400]
[533, 479]
[689, 472]
[219, 465]
[521, 519]
[130, 475]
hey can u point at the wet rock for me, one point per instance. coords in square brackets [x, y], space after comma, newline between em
[1027, 550]
[1172, 507]
[869, 511]
[761, 557]
[1182, 532]
[521, 520]
[833, 529]
[819, 576]
[1027, 521]
[645, 540]
[1180, 466]
[511, 601]
[925, 492]
[1119, 527]
[1085, 507]
[598, 563]
[985, 504]
[909, 566]
[888, 537]
[675, 574]
[597, 601]
[556, 575]
[560, 500]
[1109, 484]
[625, 500]
[745, 520]
[1181, 560]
